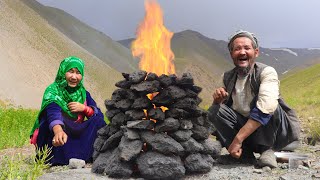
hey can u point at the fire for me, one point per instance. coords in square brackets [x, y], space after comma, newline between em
[152, 44]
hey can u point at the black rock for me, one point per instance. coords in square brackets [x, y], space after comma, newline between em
[104, 131]
[123, 104]
[176, 113]
[151, 77]
[137, 77]
[140, 124]
[112, 112]
[192, 146]
[162, 143]
[131, 134]
[181, 135]
[169, 124]
[112, 142]
[109, 104]
[186, 124]
[153, 165]
[129, 149]
[146, 87]
[110, 163]
[123, 84]
[119, 119]
[135, 114]
[126, 76]
[198, 163]
[166, 80]
[142, 103]
[157, 114]
[186, 80]
[175, 92]
[200, 132]
[163, 98]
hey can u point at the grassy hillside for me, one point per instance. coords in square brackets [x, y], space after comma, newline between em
[31, 51]
[302, 91]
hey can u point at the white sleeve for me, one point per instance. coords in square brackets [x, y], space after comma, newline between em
[269, 91]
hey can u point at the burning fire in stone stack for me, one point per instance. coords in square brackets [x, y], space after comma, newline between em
[152, 44]
[157, 129]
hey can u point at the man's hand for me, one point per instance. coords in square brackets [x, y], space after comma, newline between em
[60, 137]
[76, 107]
[235, 148]
[220, 95]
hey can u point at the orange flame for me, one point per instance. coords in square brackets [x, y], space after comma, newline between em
[152, 44]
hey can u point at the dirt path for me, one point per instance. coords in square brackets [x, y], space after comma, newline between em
[26, 151]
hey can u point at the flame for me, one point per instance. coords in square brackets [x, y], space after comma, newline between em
[152, 44]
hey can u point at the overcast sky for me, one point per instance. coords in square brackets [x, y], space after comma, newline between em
[277, 23]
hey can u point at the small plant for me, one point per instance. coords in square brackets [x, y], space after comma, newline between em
[20, 167]
[314, 130]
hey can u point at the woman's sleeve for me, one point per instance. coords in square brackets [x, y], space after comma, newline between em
[91, 103]
[54, 115]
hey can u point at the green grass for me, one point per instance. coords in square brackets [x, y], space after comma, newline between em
[22, 167]
[301, 90]
[15, 126]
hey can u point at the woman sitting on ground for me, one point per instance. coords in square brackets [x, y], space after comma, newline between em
[61, 121]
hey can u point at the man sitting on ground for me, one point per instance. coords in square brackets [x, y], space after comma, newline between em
[248, 112]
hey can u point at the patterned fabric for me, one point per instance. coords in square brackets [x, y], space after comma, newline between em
[60, 93]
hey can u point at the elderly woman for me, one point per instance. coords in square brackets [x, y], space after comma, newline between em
[69, 118]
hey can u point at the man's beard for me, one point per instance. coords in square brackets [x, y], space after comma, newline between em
[243, 71]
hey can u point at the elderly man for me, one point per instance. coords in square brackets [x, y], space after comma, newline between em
[247, 111]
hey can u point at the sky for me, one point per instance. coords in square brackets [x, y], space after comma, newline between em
[276, 23]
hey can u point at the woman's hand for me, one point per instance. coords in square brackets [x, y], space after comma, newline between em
[60, 137]
[220, 95]
[76, 107]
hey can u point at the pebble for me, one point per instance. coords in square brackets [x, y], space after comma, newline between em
[76, 163]
[266, 169]
[316, 175]
[258, 171]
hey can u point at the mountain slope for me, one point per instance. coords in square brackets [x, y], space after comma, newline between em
[30, 53]
[195, 55]
[208, 58]
[302, 91]
[97, 43]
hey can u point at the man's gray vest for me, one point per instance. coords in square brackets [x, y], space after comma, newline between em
[229, 80]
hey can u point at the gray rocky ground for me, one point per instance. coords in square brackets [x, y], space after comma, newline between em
[229, 170]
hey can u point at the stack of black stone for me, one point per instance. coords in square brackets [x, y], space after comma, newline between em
[143, 140]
